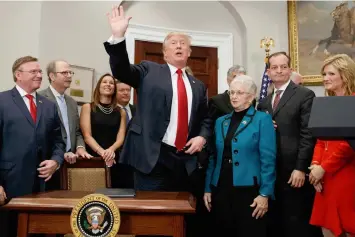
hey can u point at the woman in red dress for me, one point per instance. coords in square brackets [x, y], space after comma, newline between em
[333, 165]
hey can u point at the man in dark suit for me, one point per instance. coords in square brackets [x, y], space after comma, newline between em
[171, 123]
[290, 106]
[60, 77]
[220, 104]
[122, 174]
[123, 98]
[31, 145]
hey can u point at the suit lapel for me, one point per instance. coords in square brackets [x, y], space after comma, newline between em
[194, 103]
[168, 88]
[246, 120]
[49, 94]
[39, 104]
[289, 92]
[22, 106]
[71, 122]
[225, 125]
[268, 101]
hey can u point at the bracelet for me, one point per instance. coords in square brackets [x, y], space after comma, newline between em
[97, 149]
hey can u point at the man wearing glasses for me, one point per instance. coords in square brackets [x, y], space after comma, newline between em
[60, 77]
[31, 145]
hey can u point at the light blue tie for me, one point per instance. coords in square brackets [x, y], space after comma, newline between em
[64, 111]
[127, 116]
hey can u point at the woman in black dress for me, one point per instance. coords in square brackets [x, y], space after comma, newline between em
[102, 122]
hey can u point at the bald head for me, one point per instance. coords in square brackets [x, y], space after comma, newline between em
[296, 78]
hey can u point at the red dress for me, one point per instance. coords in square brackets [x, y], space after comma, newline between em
[334, 207]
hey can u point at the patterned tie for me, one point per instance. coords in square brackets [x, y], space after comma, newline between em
[33, 108]
[64, 112]
[182, 118]
[277, 99]
[127, 116]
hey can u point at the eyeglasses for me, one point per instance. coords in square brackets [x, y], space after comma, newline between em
[66, 73]
[33, 72]
[237, 93]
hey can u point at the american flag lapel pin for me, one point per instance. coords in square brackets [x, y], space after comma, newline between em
[40, 101]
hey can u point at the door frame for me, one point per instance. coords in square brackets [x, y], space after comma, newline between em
[222, 41]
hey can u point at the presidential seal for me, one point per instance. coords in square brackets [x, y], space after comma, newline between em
[95, 215]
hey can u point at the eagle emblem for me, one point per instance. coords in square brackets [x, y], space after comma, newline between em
[95, 217]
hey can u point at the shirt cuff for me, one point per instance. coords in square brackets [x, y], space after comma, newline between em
[113, 40]
[263, 195]
[80, 147]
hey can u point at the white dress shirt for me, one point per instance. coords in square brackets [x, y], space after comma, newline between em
[283, 88]
[23, 94]
[170, 134]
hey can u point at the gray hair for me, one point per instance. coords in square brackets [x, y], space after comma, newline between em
[235, 69]
[52, 67]
[247, 81]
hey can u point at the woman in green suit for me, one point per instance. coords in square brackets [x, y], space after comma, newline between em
[241, 173]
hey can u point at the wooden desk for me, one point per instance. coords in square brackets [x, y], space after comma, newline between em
[149, 213]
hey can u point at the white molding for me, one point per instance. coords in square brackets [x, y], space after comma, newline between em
[222, 41]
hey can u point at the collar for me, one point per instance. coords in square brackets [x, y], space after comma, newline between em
[283, 87]
[23, 93]
[121, 106]
[55, 93]
[251, 111]
[174, 69]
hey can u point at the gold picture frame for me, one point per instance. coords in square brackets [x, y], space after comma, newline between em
[82, 86]
[313, 80]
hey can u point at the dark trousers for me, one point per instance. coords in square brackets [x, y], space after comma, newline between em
[122, 176]
[170, 175]
[291, 211]
[231, 209]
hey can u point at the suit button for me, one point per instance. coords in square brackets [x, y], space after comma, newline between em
[235, 151]
[236, 163]
[235, 139]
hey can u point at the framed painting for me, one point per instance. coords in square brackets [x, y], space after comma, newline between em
[318, 29]
[82, 86]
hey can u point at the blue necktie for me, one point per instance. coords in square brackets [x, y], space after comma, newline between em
[127, 116]
[64, 111]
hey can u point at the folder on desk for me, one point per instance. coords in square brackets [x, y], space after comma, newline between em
[117, 192]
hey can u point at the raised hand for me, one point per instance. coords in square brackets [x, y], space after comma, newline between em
[118, 21]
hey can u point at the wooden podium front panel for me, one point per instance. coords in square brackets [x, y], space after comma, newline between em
[149, 213]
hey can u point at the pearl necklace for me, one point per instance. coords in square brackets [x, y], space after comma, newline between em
[105, 110]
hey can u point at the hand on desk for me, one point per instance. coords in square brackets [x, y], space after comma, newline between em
[2, 196]
[47, 168]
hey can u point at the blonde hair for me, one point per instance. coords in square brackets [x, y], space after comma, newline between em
[346, 67]
[171, 34]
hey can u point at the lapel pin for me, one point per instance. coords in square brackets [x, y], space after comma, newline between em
[266, 111]
[40, 101]
[225, 123]
[244, 122]
[193, 81]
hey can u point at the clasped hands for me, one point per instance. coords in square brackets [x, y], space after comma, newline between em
[108, 155]
[70, 157]
[315, 176]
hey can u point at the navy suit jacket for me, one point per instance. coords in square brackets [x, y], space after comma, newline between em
[154, 89]
[24, 144]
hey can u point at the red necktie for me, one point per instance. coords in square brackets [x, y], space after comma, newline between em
[182, 121]
[277, 99]
[33, 109]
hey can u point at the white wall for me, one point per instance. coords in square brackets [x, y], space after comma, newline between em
[75, 31]
[19, 36]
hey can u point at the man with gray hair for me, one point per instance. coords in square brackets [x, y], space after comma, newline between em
[60, 77]
[220, 104]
